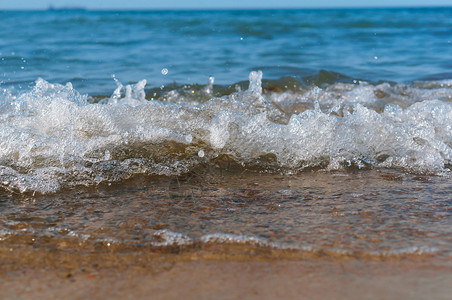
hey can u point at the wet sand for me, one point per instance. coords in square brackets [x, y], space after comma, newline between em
[318, 235]
[232, 279]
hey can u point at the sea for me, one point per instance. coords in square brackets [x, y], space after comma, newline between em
[282, 133]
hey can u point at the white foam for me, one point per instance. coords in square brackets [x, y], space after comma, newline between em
[51, 137]
[414, 250]
[235, 239]
[169, 238]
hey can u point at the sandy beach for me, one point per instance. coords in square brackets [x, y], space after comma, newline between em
[201, 278]
[316, 235]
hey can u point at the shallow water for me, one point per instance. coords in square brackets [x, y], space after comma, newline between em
[366, 214]
[340, 149]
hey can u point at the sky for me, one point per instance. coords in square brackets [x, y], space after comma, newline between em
[174, 4]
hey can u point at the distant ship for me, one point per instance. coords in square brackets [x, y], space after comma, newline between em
[66, 8]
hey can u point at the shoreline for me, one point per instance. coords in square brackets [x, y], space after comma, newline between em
[234, 279]
[364, 234]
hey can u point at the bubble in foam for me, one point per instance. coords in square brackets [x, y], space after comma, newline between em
[188, 138]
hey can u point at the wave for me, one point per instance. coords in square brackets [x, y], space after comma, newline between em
[217, 244]
[53, 138]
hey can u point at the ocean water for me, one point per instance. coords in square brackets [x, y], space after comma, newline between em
[87, 47]
[326, 131]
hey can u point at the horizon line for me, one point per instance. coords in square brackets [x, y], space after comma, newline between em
[81, 8]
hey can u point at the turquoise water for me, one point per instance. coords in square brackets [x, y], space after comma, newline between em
[89, 97]
[87, 47]
[326, 131]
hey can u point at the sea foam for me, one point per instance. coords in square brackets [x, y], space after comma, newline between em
[52, 137]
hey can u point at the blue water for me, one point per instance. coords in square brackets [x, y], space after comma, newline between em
[350, 119]
[101, 96]
[87, 47]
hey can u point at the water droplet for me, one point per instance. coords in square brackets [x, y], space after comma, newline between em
[189, 138]
[164, 71]
[375, 57]
[201, 153]
[241, 38]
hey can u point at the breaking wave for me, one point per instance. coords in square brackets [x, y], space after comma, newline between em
[52, 137]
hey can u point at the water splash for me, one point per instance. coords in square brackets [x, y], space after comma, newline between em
[53, 138]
